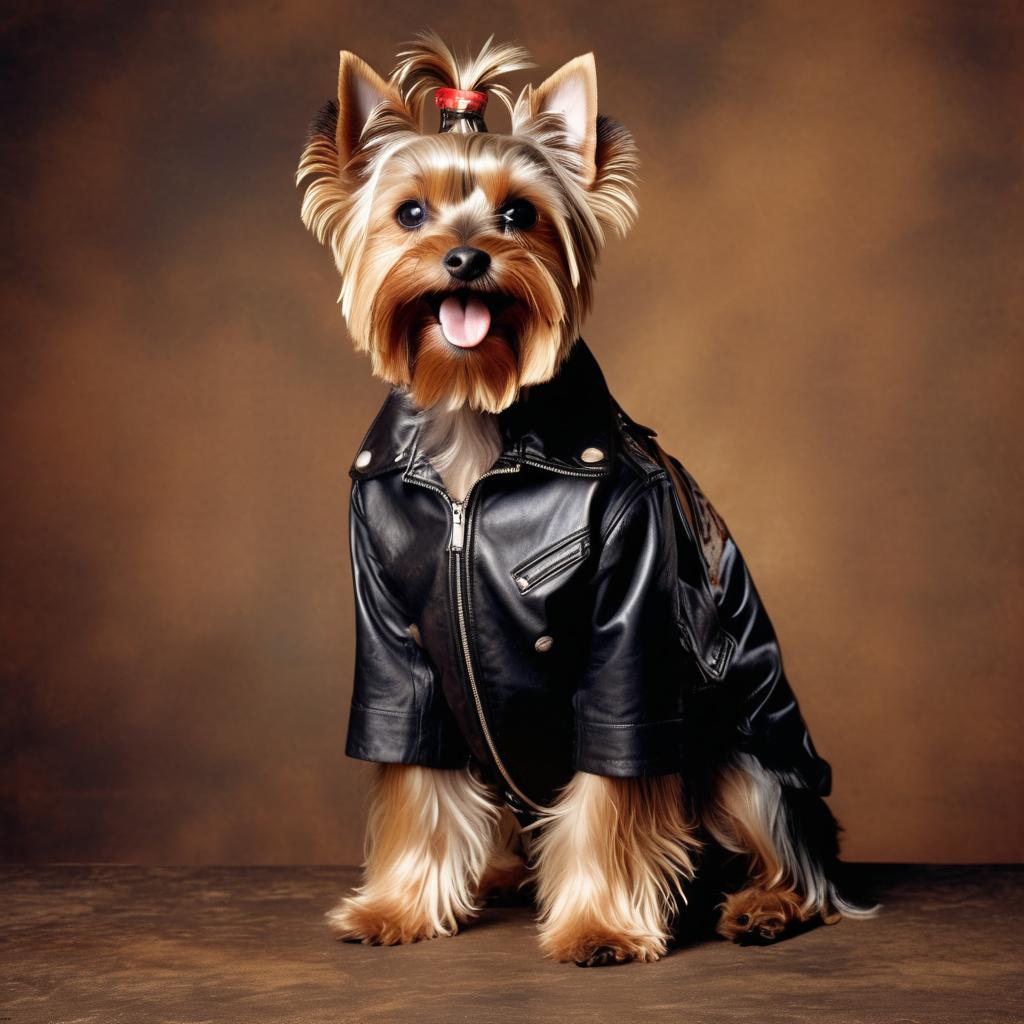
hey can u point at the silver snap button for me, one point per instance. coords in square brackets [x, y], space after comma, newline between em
[592, 455]
[363, 458]
[543, 644]
[522, 582]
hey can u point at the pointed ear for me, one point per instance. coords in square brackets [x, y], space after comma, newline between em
[360, 91]
[572, 92]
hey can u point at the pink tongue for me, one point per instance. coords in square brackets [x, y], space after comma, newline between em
[464, 327]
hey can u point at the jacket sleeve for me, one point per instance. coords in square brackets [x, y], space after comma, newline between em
[752, 679]
[628, 706]
[398, 714]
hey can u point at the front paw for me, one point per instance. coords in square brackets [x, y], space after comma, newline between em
[590, 948]
[382, 923]
[603, 956]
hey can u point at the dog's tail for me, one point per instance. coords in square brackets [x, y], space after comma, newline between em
[808, 840]
[794, 835]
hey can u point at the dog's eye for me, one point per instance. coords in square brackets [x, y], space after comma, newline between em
[411, 214]
[517, 215]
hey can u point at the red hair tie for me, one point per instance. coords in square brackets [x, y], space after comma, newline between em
[465, 101]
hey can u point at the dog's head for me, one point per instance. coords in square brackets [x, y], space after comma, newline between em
[466, 257]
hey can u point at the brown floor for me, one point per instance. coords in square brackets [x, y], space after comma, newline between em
[113, 944]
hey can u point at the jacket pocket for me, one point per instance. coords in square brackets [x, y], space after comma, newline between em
[552, 561]
[713, 656]
[702, 634]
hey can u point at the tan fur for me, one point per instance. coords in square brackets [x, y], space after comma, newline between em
[430, 836]
[737, 818]
[610, 859]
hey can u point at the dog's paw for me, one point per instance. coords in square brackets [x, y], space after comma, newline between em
[590, 948]
[610, 952]
[757, 917]
[379, 923]
[603, 956]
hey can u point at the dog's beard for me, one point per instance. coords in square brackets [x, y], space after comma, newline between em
[519, 348]
[484, 377]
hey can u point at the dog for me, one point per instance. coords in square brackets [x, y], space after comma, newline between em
[563, 669]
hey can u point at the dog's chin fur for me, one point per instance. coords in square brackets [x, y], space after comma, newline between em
[484, 378]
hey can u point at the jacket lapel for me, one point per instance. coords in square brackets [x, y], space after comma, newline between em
[566, 425]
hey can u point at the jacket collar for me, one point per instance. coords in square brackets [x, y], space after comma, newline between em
[550, 426]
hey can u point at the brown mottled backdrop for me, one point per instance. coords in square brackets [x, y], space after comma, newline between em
[819, 311]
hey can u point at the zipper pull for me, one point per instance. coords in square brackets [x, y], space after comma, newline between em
[458, 527]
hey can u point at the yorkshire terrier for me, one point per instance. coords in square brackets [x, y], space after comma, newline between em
[563, 669]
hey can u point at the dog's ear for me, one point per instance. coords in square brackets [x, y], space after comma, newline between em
[361, 94]
[604, 156]
[339, 145]
[572, 92]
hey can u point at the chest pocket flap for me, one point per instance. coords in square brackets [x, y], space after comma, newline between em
[554, 560]
[702, 634]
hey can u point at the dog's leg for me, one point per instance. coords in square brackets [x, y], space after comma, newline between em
[610, 859]
[748, 813]
[429, 836]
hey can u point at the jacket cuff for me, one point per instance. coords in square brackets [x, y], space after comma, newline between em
[398, 737]
[388, 737]
[628, 750]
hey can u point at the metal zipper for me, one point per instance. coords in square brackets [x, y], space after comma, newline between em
[456, 544]
[459, 508]
[458, 526]
[460, 520]
[537, 464]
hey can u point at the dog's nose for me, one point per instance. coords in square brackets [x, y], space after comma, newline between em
[466, 263]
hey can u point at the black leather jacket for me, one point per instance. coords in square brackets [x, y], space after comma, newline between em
[583, 609]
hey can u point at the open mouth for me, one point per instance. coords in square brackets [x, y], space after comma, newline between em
[465, 315]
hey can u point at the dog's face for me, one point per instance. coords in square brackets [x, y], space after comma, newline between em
[465, 287]
[467, 259]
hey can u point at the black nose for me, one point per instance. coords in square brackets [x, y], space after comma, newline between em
[466, 263]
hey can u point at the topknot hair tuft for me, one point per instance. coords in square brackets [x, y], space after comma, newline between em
[428, 63]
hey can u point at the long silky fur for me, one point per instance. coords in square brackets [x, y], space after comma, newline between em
[760, 813]
[430, 835]
[610, 859]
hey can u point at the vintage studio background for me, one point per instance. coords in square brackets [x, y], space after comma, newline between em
[819, 311]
